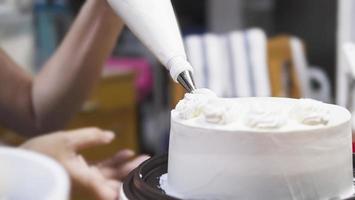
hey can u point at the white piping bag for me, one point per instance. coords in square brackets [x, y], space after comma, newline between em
[155, 24]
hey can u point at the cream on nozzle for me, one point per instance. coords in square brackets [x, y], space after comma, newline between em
[154, 23]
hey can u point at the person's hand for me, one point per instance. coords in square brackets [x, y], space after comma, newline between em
[101, 179]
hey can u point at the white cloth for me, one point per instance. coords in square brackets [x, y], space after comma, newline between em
[257, 42]
[207, 55]
[232, 64]
[301, 65]
[345, 34]
[240, 74]
[349, 74]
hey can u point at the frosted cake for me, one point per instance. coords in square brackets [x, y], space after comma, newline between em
[259, 148]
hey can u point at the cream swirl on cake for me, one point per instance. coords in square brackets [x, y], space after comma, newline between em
[204, 106]
[216, 112]
[193, 103]
[204, 102]
[310, 112]
[265, 116]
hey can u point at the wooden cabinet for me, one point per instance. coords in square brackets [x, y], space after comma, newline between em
[112, 106]
[8, 137]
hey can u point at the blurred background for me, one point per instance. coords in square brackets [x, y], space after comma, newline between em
[296, 42]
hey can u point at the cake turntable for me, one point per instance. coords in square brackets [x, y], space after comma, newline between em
[143, 182]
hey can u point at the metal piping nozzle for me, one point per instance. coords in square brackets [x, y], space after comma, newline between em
[185, 79]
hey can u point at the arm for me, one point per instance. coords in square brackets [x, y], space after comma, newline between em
[46, 102]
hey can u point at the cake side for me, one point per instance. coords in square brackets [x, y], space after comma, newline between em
[228, 158]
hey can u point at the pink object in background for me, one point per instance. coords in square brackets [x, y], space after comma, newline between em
[142, 68]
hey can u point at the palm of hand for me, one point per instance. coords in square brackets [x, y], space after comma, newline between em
[102, 179]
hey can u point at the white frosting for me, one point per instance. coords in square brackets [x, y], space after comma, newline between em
[216, 113]
[164, 185]
[271, 148]
[265, 116]
[193, 104]
[262, 115]
[310, 112]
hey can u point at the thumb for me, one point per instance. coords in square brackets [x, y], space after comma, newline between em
[89, 137]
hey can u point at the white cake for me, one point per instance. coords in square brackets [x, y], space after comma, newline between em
[259, 148]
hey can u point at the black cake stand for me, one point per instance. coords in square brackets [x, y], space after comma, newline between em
[143, 182]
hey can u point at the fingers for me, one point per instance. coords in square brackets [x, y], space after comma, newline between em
[114, 185]
[123, 156]
[119, 158]
[120, 172]
[104, 189]
[109, 167]
[127, 167]
[89, 137]
[91, 179]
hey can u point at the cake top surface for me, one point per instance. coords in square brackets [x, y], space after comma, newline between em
[204, 109]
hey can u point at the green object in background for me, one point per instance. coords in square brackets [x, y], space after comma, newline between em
[52, 20]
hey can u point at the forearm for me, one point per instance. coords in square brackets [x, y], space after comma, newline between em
[68, 77]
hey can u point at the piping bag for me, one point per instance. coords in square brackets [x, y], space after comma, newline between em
[155, 25]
